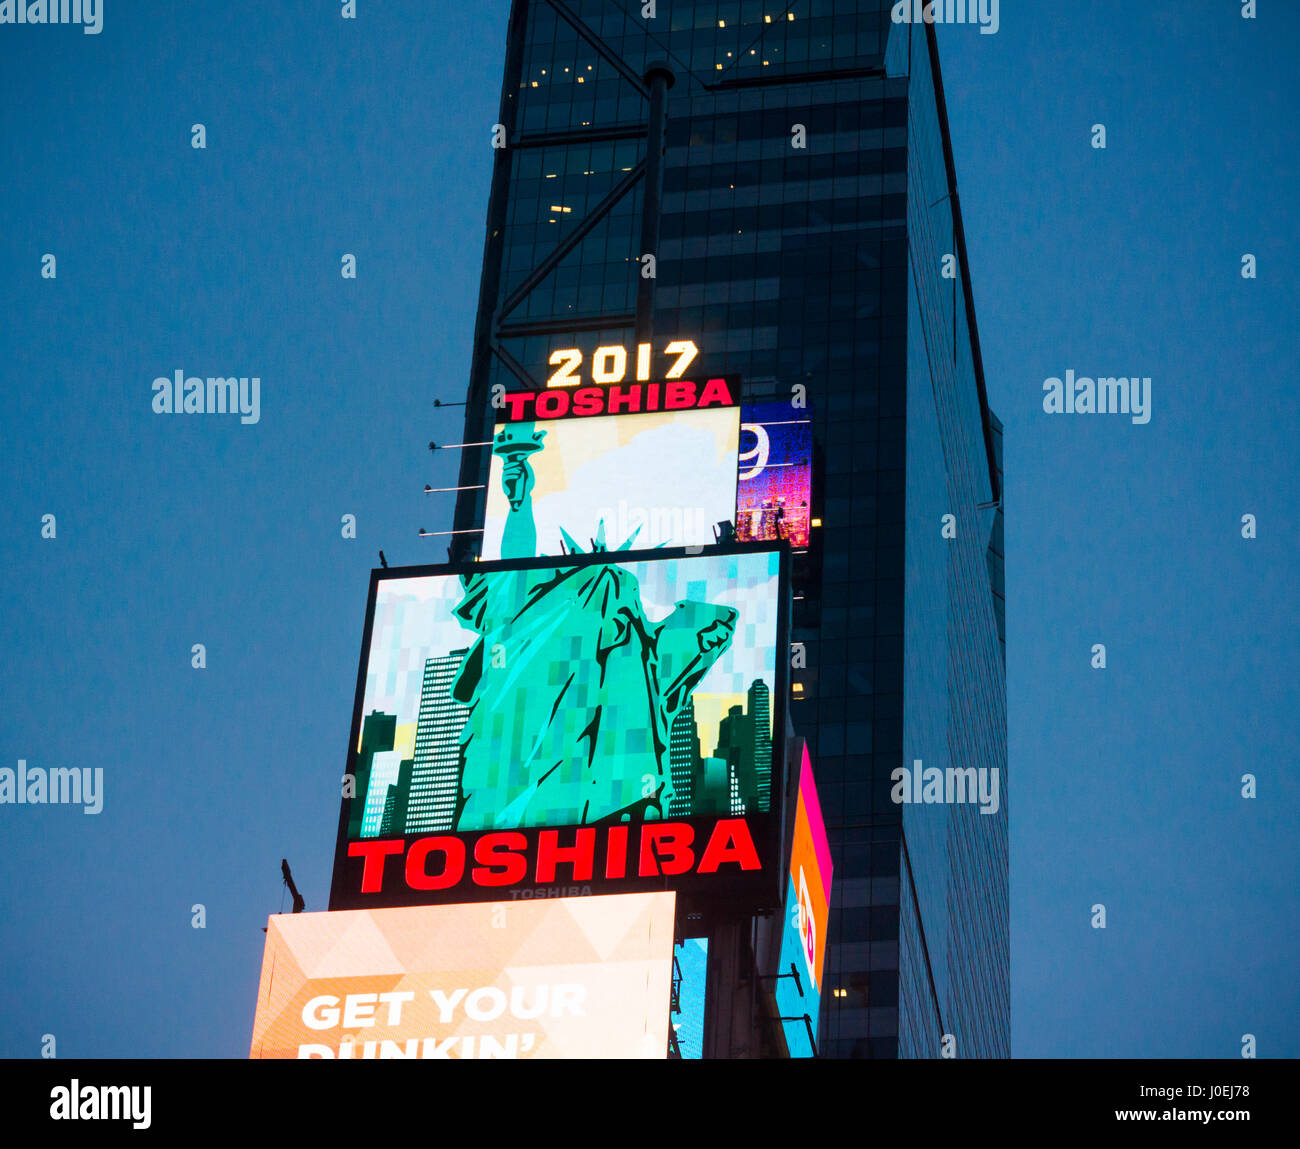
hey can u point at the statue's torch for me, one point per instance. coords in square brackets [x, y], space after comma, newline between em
[515, 443]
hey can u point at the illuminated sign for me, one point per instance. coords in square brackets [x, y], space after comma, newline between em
[564, 470]
[544, 727]
[686, 1017]
[619, 399]
[651, 480]
[774, 495]
[609, 364]
[803, 938]
[569, 977]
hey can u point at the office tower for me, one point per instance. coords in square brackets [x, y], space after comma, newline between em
[385, 774]
[683, 759]
[393, 821]
[736, 748]
[758, 706]
[435, 778]
[745, 743]
[377, 734]
[712, 786]
[788, 166]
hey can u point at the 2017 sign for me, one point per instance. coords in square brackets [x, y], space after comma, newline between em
[609, 364]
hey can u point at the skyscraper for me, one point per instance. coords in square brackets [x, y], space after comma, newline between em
[758, 705]
[736, 748]
[683, 758]
[787, 166]
[435, 777]
[377, 735]
[393, 820]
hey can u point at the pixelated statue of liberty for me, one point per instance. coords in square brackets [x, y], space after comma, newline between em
[572, 690]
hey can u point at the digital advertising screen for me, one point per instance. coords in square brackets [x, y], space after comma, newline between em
[560, 977]
[629, 481]
[602, 723]
[803, 936]
[774, 494]
[645, 478]
[686, 1015]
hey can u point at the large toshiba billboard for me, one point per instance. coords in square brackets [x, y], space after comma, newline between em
[546, 727]
[564, 977]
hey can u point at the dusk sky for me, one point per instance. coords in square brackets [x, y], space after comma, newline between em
[371, 137]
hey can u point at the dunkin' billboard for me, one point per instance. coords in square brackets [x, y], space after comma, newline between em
[565, 977]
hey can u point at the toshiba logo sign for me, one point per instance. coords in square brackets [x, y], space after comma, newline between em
[600, 720]
[614, 856]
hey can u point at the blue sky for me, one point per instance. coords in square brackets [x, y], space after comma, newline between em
[370, 137]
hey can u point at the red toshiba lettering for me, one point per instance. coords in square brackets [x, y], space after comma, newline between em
[582, 854]
[679, 393]
[552, 404]
[499, 864]
[616, 399]
[715, 391]
[588, 401]
[666, 849]
[418, 877]
[374, 853]
[616, 852]
[730, 842]
[517, 401]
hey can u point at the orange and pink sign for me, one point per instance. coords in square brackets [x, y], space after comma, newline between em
[810, 871]
[549, 978]
[803, 939]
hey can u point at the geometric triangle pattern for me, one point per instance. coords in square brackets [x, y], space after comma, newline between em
[549, 977]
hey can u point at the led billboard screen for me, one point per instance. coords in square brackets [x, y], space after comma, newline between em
[774, 497]
[564, 977]
[803, 937]
[686, 1017]
[655, 479]
[536, 728]
[645, 477]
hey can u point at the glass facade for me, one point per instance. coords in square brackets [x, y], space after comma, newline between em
[805, 206]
